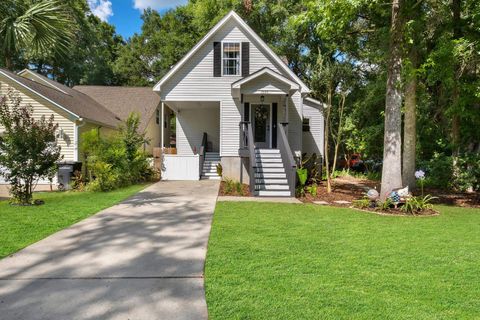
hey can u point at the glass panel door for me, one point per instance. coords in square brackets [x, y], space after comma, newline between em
[261, 125]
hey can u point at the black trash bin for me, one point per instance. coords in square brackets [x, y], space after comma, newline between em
[65, 174]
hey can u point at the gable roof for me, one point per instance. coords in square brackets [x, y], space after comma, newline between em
[75, 103]
[232, 15]
[124, 100]
[34, 76]
[265, 70]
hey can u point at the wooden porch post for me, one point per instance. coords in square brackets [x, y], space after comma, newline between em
[162, 144]
[286, 112]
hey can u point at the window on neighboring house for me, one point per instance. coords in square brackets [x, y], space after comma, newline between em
[306, 125]
[158, 116]
[231, 59]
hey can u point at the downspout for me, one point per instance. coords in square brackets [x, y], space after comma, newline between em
[76, 155]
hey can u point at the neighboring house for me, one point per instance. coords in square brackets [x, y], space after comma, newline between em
[122, 101]
[74, 111]
[236, 102]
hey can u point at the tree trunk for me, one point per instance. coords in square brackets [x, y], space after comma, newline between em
[8, 62]
[392, 149]
[410, 124]
[326, 143]
[339, 132]
[457, 34]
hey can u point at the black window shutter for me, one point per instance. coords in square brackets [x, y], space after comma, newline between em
[274, 124]
[246, 111]
[245, 59]
[217, 59]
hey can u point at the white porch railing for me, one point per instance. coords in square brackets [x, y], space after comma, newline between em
[180, 167]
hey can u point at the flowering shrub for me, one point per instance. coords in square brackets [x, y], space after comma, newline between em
[28, 148]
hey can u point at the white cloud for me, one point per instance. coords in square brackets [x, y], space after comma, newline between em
[101, 8]
[157, 4]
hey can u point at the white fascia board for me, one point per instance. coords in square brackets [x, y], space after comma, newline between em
[293, 85]
[76, 117]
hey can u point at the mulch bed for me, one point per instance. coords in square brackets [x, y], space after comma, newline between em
[245, 191]
[343, 189]
[351, 188]
[398, 212]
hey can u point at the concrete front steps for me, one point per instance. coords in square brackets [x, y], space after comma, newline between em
[270, 177]
[209, 170]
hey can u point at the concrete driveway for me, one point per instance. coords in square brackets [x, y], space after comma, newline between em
[141, 259]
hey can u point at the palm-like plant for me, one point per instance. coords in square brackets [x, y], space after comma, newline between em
[35, 27]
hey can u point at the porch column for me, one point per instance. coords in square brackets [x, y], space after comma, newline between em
[162, 123]
[286, 112]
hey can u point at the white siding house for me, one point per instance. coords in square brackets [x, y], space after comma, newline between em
[232, 87]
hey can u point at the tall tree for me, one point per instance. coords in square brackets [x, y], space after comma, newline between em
[413, 42]
[392, 145]
[34, 28]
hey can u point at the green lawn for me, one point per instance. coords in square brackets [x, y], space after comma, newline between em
[286, 261]
[21, 226]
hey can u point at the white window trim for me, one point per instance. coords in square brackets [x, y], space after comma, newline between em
[240, 60]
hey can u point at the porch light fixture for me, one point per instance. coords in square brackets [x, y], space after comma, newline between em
[262, 99]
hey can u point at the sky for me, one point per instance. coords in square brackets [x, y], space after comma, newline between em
[125, 14]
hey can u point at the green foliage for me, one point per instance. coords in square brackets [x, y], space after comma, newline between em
[387, 204]
[440, 172]
[219, 169]
[361, 203]
[415, 205]
[28, 148]
[312, 165]
[312, 189]
[35, 28]
[302, 174]
[116, 160]
[233, 188]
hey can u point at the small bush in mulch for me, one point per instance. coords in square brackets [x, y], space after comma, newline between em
[412, 206]
[230, 187]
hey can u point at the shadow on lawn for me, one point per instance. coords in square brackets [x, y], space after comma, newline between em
[127, 260]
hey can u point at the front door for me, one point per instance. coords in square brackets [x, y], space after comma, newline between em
[261, 125]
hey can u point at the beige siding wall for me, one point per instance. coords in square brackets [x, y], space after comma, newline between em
[153, 133]
[41, 108]
[194, 81]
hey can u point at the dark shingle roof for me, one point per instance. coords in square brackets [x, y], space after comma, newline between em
[72, 100]
[124, 100]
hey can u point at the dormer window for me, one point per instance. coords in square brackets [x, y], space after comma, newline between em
[231, 58]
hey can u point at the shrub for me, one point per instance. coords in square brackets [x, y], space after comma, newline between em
[386, 204]
[440, 172]
[28, 148]
[232, 187]
[116, 160]
[361, 203]
[417, 204]
[312, 189]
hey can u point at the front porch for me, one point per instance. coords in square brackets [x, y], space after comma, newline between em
[196, 132]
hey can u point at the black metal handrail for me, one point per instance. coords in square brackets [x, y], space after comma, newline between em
[246, 136]
[287, 157]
